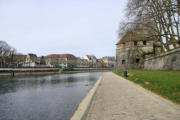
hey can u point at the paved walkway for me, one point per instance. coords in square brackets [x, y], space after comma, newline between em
[120, 99]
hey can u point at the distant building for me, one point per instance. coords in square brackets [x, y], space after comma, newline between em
[82, 63]
[132, 49]
[99, 63]
[108, 61]
[31, 60]
[91, 59]
[61, 60]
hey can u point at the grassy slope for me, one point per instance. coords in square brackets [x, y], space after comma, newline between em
[165, 83]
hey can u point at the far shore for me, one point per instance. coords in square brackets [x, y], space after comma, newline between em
[35, 71]
[28, 73]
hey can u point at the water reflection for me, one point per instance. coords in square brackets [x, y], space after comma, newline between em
[52, 97]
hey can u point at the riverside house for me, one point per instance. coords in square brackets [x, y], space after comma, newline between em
[82, 63]
[108, 61]
[91, 59]
[61, 60]
[99, 63]
[31, 60]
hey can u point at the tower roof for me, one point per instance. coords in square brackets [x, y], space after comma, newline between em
[132, 36]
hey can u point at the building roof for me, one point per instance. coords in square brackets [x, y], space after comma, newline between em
[68, 56]
[91, 57]
[32, 55]
[132, 36]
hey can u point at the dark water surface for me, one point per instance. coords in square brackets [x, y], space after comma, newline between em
[51, 97]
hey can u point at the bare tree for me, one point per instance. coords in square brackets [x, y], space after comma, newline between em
[6, 53]
[5, 49]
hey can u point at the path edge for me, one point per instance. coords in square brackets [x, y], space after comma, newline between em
[83, 107]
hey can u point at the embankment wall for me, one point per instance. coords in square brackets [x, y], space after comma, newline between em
[165, 61]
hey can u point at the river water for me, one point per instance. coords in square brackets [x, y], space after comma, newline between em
[50, 97]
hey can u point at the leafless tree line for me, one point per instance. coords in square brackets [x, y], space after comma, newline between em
[5, 49]
[6, 53]
[154, 18]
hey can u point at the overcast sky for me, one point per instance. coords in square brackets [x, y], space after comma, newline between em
[44, 27]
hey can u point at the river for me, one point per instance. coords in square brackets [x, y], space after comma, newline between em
[50, 97]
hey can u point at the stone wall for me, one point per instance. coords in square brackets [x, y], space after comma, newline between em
[165, 61]
[126, 59]
[132, 57]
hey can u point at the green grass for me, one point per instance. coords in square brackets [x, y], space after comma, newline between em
[165, 83]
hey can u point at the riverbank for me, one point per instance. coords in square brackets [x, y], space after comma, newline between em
[119, 99]
[45, 71]
[83, 107]
[70, 72]
[28, 71]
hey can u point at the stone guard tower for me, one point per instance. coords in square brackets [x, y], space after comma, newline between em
[132, 49]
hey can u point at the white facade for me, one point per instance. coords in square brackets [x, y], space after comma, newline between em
[90, 58]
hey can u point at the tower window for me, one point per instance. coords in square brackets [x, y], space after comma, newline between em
[137, 60]
[135, 43]
[144, 42]
[123, 61]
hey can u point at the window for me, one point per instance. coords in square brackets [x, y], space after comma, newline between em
[135, 43]
[137, 60]
[123, 61]
[179, 42]
[144, 42]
